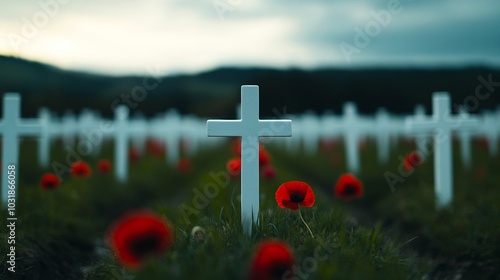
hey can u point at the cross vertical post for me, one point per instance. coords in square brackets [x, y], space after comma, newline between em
[12, 128]
[249, 127]
[121, 141]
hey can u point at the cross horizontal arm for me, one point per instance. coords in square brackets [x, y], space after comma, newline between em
[224, 128]
[276, 128]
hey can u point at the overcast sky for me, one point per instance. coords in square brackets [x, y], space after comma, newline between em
[129, 37]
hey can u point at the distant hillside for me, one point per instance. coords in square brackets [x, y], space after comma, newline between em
[216, 93]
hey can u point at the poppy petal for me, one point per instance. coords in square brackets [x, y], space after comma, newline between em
[271, 260]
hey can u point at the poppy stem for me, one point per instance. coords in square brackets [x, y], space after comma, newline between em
[302, 218]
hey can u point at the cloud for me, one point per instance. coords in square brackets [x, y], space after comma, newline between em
[116, 36]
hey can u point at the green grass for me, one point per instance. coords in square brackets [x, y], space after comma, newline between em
[388, 234]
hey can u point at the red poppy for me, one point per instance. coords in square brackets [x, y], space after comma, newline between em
[104, 166]
[271, 260]
[80, 169]
[133, 155]
[234, 166]
[136, 236]
[155, 147]
[49, 181]
[412, 160]
[348, 187]
[183, 165]
[293, 193]
[264, 157]
[268, 172]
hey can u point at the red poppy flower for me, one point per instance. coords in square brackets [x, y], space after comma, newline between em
[49, 181]
[183, 165]
[155, 147]
[80, 169]
[412, 160]
[268, 172]
[234, 166]
[139, 235]
[293, 193]
[104, 166]
[271, 260]
[264, 157]
[348, 187]
[133, 155]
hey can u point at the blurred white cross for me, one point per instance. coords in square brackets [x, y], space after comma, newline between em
[442, 124]
[11, 128]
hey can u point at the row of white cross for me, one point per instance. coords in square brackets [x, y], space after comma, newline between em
[310, 129]
[249, 127]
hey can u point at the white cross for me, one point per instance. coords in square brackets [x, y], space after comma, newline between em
[383, 130]
[45, 137]
[490, 129]
[172, 136]
[121, 143]
[69, 126]
[352, 127]
[12, 127]
[442, 124]
[465, 135]
[139, 126]
[249, 128]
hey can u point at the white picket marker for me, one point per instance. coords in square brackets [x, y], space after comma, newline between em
[249, 128]
[490, 129]
[12, 128]
[139, 128]
[442, 124]
[464, 135]
[121, 135]
[45, 137]
[172, 136]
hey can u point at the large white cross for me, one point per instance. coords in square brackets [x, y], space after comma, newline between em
[442, 124]
[11, 128]
[249, 127]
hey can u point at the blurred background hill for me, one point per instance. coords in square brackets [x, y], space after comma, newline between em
[215, 93]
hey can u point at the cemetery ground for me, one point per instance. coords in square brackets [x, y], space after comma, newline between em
[394, 231]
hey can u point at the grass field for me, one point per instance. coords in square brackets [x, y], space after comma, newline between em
[390, 233]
